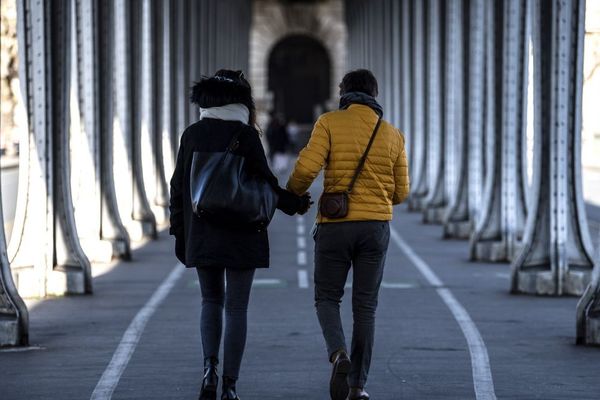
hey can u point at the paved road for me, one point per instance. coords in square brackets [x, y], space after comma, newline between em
[421, 351]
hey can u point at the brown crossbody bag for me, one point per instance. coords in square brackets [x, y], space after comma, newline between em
[335, 204]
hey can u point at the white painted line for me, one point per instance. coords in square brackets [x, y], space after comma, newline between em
[268, 282]
[397, 285]
[300, 229]
[301, 242]
[110, 378]
[302, 279]
[503, 275]
[480, 363]
[300, 219]
[301, 257]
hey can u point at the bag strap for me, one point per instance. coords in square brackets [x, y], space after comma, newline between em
[361, 163]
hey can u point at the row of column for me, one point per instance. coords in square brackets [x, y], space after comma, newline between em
[455, 76]
[106, 86]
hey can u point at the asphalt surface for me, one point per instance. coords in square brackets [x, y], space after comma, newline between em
[420, 350]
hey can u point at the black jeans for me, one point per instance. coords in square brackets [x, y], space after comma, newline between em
[235, 300]
[362, 245]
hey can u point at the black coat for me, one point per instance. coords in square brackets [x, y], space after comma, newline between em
[207, 243]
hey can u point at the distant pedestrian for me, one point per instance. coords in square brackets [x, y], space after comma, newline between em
[293, 130]
[353, 222]
[223, 252]
[277, 137]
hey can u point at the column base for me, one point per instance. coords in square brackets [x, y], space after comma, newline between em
[434, 215]
[493, 251]
[457, 230]
[62, 280]
[592, 334]
[9, 331]
[543, 283]
[416, 203]
[65, 279]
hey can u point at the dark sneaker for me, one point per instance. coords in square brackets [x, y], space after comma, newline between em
[338, 385]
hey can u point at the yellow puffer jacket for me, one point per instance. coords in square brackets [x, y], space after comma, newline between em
[337, 142]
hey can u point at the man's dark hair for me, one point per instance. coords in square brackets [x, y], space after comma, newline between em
[360, 80]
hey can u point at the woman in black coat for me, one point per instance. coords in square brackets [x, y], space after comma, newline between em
[221, 251]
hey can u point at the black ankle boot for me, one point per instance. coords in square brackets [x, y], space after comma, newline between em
[229, 389]
[211, 380]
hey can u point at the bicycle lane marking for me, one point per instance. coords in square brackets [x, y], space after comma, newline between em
[480, 363]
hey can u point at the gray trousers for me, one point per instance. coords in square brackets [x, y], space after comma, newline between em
[338, 246]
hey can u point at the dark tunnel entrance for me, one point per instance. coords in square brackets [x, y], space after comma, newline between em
[299, 77]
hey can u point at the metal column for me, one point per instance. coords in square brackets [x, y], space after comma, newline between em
[133, 207]
[45, 251]
[434, 203]
[112, 228]
[556, 258]
[85, 140]
[407, 84]
[503, 210]
[14, 317]
[457, 220]
[419, 142]
[165, 90]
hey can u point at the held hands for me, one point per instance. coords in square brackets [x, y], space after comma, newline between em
[292, 204]
[304, 203]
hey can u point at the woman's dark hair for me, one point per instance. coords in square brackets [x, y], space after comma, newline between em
[360, 80]
[225, 87]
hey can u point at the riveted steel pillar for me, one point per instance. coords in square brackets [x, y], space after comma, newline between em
[434, 203]
[393, 71]
[112, 227]
[142, 123]
[419, 132]
[85, 138]
[182, 67]
[460, 140]
[133, 205]
[195, 56]
[45, 253]
[588, 308]
[407, 83]
[382, 52]
[166, 93]
[158, 194]
[396, 61]
[14, 317]
[454, 107]
[502, 216]
[556, 257]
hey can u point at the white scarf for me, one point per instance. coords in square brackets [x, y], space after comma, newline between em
[228, 112]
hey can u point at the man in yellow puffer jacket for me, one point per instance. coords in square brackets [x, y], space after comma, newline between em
[360, 239]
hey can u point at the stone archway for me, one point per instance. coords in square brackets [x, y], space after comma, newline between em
[274, 20]
[299, 77]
